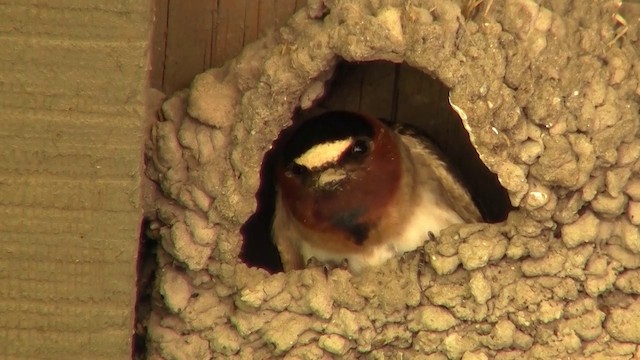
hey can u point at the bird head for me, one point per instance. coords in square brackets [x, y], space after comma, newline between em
[337, 172]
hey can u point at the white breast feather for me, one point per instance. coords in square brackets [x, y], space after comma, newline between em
[425, 218]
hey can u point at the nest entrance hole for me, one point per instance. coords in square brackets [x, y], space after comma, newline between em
[399, 93]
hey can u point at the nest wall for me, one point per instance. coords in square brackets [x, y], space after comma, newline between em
[549, 94]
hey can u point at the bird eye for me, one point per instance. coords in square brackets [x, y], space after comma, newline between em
[297, 169]
[360, 147]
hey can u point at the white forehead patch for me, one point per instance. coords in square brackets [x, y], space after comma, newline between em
[325, 153]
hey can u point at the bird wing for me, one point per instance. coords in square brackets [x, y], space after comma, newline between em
[285, 236]
[448, 176]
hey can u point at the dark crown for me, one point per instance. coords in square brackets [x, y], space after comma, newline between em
[326, 127]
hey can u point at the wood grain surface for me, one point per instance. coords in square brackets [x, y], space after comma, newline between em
[72, 85]
[192, 36]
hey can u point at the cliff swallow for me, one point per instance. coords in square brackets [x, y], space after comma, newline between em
[351, 188]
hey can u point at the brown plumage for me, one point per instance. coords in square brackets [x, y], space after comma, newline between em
[351, 188]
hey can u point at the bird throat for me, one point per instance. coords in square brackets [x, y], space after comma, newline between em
[351, 223]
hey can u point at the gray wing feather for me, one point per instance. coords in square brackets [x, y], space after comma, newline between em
[460, 198]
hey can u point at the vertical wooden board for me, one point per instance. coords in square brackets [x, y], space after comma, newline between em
[251, 20]
[235, 29]
[189, 28]
[158, 43]
[284, 10]
[344, 89]
[300, 4]
[218, 34]
[200, 34]
[212, 42]
[266, 16]
[70, 164]
[422, 100]
[229, 33]
[377, 89]
[367, 87]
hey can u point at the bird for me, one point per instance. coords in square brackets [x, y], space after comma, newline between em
[354, 190]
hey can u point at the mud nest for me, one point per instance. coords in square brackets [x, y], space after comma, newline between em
[549, 94]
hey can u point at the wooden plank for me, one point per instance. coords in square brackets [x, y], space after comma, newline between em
[192, 36]
[158, 43]
[266, 16]
[365, 87]
[189, 28]
[284, 10]
[71, 106]
[235, 27]
[422, 101]
[211, 42]
[343, 90]
[218, 35]
[251, 20]
[300, 4]
[229, 33]
[377, 89]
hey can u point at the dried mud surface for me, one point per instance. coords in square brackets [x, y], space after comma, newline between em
[551, 100]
